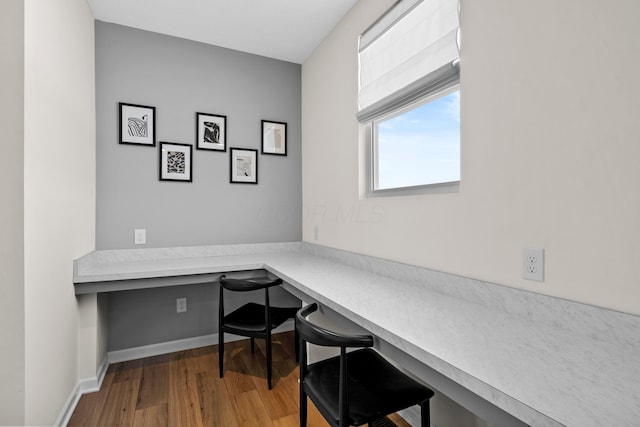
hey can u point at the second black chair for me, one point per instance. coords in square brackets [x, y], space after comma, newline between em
[355, 388]
[251, 320]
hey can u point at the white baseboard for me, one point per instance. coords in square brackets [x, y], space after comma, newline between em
[118, 356]
[89, 385]
[180, 345]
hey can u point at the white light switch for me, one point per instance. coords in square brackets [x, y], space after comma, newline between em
[140, 236]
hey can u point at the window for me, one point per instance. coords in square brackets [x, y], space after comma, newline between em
[409, 98]
[419, 146]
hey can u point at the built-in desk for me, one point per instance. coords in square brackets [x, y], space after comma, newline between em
[546, 361]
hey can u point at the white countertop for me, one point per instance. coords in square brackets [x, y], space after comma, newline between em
[582, 369]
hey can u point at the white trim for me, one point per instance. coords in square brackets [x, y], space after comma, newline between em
[69, 407]
[370, 137]
[118, 356]
[438, 188]
[83, 386]
[179, 345]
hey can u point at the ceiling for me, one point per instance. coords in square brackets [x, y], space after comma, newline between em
[283, 29]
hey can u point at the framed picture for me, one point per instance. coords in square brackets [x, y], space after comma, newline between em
[211, 132]
[274, 138]
[175, 162]
[244, 166]
[137, 124]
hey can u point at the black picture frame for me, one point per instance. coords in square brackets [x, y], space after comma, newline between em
[175, 163]
[136, 124]
[211, 132]
[274, 137]
[243, 166]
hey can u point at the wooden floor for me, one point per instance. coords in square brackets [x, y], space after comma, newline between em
[184, 389]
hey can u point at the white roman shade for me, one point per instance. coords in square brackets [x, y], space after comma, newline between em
[408, 53]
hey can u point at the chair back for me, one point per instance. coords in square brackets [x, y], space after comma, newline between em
[245, 285]
[314, 334]
[310, 333]
[327, 382]
[252, 319]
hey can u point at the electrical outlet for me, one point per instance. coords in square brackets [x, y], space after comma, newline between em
[140, 236]
[181, 305]
[533, 264]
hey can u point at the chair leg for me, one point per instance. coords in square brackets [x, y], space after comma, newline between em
[425, 414]
[221, 353]
[253, 345]
[269, 361]
[303, 408]
[296, 344]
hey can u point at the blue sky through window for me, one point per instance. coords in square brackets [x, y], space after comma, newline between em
[421, 146]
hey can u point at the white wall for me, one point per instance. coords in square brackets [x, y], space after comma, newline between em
[550, 146]
[59, 194]
[11, 213]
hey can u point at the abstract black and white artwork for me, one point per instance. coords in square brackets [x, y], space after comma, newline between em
[175, 162]
[137, 124]
[243, 167]
[274, 138]
[211, 132]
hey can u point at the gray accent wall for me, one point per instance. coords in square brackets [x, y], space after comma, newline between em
[181, 77]
[148, 316]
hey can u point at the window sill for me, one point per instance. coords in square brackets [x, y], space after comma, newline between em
[444, 187]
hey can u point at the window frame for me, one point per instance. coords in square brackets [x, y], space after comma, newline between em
[371, 141]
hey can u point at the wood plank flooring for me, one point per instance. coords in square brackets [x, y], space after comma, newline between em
[183, 389]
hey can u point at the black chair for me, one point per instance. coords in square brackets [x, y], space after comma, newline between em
[355, 388]
[251, 320]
